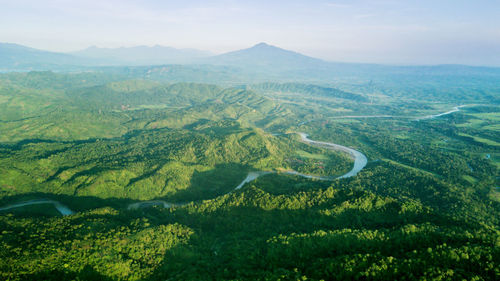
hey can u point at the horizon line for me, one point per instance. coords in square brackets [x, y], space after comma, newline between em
[214, 54]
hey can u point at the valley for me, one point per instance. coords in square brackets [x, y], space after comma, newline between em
[249, 140]
[359, 163]
[118, 175]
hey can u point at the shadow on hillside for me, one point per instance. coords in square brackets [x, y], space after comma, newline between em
[204, 185]
[223, 178]
[232, 241]
[75, 203]
[232, 233]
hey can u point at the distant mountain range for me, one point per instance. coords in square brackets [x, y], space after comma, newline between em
[260, 61]
[261, 55]
[143, 55]
[14, 57]
[18, 57]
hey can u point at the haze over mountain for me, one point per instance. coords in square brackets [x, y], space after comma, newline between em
[249, 140]
[260, 62]
[18, 57]
[143, 55]
[264, 55]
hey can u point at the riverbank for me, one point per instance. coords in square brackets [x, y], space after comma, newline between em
[360, 162]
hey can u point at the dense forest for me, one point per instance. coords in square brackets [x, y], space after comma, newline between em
[426, 206]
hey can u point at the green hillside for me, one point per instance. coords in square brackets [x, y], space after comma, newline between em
[148, 167]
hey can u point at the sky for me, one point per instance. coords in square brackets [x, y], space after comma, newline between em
[371, 31]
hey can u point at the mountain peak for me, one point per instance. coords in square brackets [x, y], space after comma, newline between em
[262, 45]
[265, 55]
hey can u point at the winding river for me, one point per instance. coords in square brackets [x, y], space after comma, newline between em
[360, 159]
[455, 109]
[360, 162]
[62, 209]
[416, 118]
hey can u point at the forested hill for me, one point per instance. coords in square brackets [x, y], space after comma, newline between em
[162, 163]
[133, 94]
[82, 106]
[425, 207]
[308, 90]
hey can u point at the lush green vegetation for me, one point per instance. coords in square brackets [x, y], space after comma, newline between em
[425, 207]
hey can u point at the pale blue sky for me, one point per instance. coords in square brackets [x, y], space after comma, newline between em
[381, 31]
